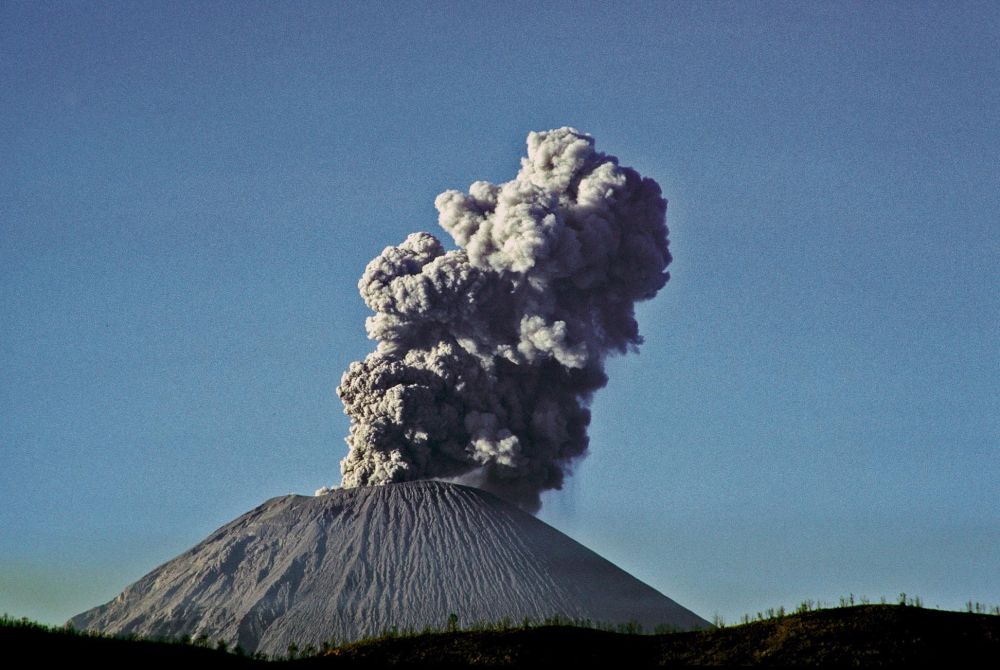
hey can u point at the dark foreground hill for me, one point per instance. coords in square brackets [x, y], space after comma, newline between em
[865, 636]
[359, 561]
[868, 636]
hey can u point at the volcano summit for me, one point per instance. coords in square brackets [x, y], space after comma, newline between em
[486, 361]
[364, 560]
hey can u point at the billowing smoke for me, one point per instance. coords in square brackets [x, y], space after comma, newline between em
[488, 355]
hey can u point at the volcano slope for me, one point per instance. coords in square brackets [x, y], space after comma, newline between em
[361, 561]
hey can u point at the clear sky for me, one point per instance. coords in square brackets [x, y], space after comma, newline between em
[190, 192]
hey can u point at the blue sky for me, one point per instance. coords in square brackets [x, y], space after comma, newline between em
[189, 193]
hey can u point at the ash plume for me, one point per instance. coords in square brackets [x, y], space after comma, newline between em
[488, 355]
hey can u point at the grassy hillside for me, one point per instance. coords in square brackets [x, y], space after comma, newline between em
[868, 636]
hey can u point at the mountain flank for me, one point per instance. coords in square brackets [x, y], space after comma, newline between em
[362, 561]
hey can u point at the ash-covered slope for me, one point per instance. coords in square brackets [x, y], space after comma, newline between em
[364, 560]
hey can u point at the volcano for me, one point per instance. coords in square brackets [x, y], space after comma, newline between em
[365, 560]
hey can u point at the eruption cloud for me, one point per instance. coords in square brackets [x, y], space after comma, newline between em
[488, 355]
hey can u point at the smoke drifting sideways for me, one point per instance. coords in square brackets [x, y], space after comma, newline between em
[488, 355]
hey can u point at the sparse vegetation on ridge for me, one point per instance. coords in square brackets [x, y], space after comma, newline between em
[809, 605]
[859, 634]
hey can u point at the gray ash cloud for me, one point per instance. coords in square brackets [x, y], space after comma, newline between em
[488, 354]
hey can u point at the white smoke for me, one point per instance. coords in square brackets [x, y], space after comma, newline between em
[488, 355]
